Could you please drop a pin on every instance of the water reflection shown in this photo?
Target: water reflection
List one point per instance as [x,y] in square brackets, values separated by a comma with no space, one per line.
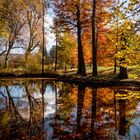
[93,114]
[46,110]
[122,114]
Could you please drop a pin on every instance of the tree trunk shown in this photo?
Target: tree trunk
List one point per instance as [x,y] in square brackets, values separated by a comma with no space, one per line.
[115,65]
[10,45]
[6,62]
[26,60]
[81,64]
[6,57]
[43,35]
[56,52]
[115,59]
[94,44]
[123,70]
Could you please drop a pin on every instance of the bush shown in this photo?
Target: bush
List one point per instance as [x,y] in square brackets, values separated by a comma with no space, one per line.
[33,64]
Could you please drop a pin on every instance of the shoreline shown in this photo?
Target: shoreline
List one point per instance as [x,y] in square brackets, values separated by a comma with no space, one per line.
[98,81]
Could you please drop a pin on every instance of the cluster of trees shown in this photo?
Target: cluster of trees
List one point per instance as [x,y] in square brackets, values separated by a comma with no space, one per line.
[102,32]
[21,26]
[103,29]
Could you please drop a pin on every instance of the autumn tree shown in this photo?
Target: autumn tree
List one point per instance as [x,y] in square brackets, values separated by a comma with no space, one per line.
[125,32]
[101,19]
[33,16]
[3,29]
[74,15]
[128,48]
[65,45]
[12,12]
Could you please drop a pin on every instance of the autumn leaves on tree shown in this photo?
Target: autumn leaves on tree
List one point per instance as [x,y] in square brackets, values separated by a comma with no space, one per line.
[73,16]
[80,16]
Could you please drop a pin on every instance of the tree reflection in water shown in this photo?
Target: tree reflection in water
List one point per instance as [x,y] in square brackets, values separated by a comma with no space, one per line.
[93,114]
[24,121]
[14,130]
[122,114]
[80,101]
[49,110]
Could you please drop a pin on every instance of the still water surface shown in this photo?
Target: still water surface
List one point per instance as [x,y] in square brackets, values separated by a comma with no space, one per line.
[49,110]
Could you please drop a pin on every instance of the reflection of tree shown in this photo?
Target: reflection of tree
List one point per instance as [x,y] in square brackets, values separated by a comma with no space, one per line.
[43,105]
[14,128]
[12,107]
[65,100]
[115,113]
[63,122]
[93,115]
[36,118]
[122,114]
[80,101]
[55,99]
[74,117]
[56,121]
[15,123]
[5,100]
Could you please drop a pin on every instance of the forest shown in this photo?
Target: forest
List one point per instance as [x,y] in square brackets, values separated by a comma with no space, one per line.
[90,37]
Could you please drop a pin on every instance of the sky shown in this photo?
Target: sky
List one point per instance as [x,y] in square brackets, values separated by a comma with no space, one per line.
[50,37]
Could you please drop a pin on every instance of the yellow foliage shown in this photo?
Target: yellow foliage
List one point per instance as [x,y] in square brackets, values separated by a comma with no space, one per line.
[133,76]
[129,96]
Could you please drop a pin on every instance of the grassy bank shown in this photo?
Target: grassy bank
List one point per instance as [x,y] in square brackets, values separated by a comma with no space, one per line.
[105,77]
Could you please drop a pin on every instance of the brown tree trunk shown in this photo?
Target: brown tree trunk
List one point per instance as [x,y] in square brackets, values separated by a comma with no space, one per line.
[94,44]
[43,35]
[81,63]
[115,65]
[26,60]
[7,54]
[6,62]
[56,53]
[123,70]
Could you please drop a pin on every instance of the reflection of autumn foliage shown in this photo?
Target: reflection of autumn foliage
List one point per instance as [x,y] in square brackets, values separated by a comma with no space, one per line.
[67,99]
[22,122]
[105,95]
[87,98]
[80,112]
[96,115]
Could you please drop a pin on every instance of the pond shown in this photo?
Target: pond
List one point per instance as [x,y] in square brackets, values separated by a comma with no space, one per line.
[48,110]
